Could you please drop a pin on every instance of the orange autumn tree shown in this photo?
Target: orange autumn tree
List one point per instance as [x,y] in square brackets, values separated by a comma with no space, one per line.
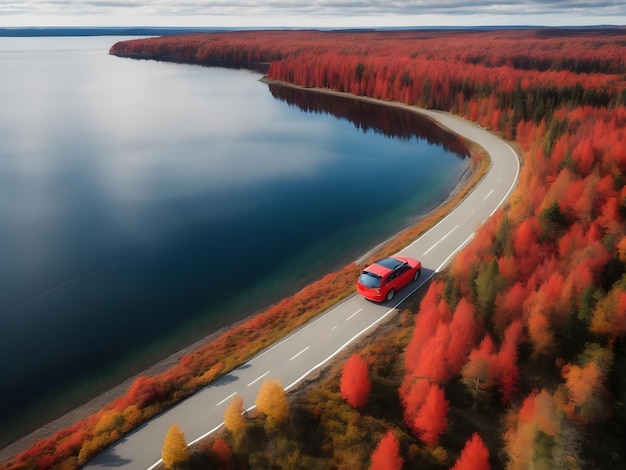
[481,370]
[355,382]
[608,318]
[586,383]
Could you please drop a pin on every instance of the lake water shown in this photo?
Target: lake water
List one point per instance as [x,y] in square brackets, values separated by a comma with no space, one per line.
[145,204]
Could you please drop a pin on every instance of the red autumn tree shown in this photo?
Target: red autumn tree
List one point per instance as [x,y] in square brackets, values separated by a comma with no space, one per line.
[508,372]
[432,419]
[432,363]
[462,335]
[526,237]
[584,155]
[425,324]
[474,456]
[387,456]
[413,396]
[223,453]
[507,267]
[509,306]
[425,327]
[355,382]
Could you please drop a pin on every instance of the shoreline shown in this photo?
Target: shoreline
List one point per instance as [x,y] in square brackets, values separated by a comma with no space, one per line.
[71,417]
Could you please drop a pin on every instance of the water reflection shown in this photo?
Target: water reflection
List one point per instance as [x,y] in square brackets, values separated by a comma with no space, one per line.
[389,121]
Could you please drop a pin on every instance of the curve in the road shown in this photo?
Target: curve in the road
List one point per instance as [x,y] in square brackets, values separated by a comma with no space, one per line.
[318,342]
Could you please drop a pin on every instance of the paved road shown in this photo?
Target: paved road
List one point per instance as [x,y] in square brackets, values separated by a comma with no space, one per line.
[318,342]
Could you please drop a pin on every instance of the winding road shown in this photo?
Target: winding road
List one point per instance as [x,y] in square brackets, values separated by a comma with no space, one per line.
[314,345]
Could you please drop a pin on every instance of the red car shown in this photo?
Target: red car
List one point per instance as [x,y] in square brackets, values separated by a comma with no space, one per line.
[382,279]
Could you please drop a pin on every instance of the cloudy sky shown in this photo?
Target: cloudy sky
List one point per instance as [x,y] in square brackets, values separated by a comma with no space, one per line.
[313,13]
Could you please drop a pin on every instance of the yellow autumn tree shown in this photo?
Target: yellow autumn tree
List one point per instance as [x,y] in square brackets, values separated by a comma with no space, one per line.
[110,421]
[175,452]
[233,415]
[272,401]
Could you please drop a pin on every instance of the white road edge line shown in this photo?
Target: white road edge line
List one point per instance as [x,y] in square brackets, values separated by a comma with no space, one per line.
[226,399]
[517,170]
[451,255]
[160,461]
[293,357]
[257,379]
[208,433]
[441,239]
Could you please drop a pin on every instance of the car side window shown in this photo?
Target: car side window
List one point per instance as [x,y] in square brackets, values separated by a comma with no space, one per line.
[392,276]
[402,269]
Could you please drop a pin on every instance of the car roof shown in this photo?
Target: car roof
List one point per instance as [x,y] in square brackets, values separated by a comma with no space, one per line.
[384,266]
[390,263]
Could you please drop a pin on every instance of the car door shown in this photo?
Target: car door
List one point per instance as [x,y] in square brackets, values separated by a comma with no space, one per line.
[391,282]
[403,276]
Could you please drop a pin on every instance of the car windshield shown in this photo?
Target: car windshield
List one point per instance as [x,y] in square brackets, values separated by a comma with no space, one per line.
[369,279]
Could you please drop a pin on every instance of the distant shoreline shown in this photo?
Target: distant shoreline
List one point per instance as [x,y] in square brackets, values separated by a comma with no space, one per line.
[74,31]
[45,31]
[119,390]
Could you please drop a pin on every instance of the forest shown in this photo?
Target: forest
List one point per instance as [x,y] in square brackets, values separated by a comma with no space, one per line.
[514,356]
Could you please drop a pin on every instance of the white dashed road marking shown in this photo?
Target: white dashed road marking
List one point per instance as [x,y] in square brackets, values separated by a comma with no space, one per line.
[441,239]
[226,399]
[353,314]
[257,379]
[293,357]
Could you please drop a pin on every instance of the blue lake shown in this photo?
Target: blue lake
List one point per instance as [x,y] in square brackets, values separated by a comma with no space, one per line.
[145,204]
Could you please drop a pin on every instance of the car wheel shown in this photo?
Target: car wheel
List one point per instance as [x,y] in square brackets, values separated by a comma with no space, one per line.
[417,274]
[390,294]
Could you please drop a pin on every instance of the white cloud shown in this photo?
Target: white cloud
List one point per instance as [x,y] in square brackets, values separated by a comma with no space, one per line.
[308,12]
